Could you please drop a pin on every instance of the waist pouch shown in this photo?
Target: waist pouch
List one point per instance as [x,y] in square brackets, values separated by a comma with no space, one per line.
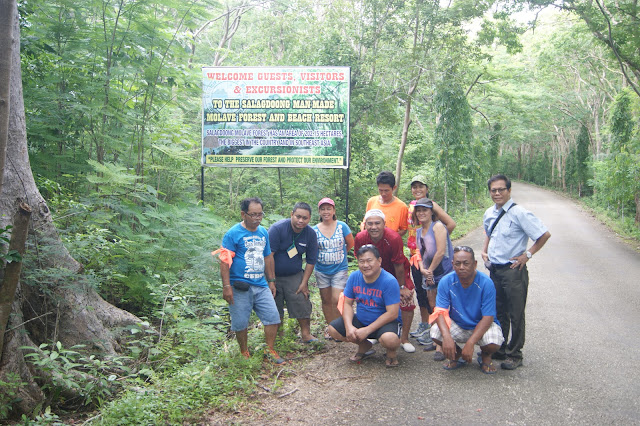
[241,285]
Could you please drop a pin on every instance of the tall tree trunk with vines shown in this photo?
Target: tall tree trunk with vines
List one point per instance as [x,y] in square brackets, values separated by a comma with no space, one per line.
[80,315]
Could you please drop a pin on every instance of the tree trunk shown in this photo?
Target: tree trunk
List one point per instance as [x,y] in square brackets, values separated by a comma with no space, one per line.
[12,270]
[81,316]
[6,42]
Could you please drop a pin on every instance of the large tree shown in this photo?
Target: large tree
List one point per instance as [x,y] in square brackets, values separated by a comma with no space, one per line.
[69,310]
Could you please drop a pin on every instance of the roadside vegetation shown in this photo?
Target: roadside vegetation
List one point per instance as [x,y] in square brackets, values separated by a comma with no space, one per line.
[112,104]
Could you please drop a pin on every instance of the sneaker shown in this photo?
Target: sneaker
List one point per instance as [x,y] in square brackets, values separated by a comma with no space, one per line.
[429,348]
[408,347]
[423,327]
[511,363]
[425,340]
[273,356]
[373,341]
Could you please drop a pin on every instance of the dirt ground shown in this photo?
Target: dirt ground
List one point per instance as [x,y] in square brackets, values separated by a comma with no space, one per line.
[313,390]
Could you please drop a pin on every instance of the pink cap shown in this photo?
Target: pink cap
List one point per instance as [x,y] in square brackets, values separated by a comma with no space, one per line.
[326,200]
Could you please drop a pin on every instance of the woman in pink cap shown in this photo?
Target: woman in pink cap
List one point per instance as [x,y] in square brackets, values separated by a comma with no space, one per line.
[334,241]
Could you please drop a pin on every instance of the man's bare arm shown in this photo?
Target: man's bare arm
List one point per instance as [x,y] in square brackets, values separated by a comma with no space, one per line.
[227,291]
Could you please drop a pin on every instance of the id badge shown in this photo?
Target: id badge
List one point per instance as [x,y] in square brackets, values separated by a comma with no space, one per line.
[292,251]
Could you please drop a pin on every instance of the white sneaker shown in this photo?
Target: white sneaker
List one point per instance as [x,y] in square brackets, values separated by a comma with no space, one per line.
[408,347]
[373,341]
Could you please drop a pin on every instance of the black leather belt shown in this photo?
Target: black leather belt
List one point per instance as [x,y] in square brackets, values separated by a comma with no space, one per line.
[501,266]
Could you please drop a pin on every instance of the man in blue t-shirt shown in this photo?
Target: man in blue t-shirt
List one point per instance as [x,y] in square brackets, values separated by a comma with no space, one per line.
[377,297]
[244,284]
[290,239]
[465,313]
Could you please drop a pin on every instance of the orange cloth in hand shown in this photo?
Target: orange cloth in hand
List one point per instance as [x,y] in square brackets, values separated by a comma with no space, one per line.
[341,302]
[436,313]
[416,260]
[226,255]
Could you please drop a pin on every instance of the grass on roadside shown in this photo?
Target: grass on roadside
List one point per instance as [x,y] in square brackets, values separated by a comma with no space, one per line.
[221,379]
[624,227]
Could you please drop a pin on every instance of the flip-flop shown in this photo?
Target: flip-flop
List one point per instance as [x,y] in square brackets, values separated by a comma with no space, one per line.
[488,366]
[362,355]
[482,365]
[458,364]
[389,362]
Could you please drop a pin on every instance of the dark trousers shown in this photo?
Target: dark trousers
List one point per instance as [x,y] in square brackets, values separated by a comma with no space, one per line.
[511,299]
[421,293]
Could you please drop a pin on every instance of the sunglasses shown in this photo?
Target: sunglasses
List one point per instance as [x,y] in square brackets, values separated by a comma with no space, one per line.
[463,248]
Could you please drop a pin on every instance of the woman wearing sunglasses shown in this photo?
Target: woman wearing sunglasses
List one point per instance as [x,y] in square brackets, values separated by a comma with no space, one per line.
[434,247]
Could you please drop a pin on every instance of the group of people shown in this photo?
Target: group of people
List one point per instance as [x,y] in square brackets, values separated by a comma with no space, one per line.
[459,306]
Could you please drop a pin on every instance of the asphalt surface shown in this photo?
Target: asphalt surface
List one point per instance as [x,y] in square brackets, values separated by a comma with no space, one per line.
[581,357]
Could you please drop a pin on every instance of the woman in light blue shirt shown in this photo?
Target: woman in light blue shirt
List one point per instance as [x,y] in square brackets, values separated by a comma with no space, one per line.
[334,241]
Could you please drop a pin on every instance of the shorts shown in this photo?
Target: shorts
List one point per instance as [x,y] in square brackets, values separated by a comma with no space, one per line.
[460,335]
[337,280]
[391,327]
[421,293]
[298,305]
[258,299]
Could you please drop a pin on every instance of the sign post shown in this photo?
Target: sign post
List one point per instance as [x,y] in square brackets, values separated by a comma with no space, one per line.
[275,117]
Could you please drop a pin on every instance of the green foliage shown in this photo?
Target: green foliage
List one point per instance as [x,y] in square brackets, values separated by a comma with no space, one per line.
[112,100]
[616,179]
[68,371]
[581,173]
[9,386]
[8,255]
[503,30]
[47,417]
[453,138]
[216,378]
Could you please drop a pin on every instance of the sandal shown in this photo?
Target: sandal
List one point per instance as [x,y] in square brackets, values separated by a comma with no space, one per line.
[391,362]
[362,355]
[486,368]
[457,364]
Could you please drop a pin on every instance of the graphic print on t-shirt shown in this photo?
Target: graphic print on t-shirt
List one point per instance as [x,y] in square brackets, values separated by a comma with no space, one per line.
[254,257]
[331,249]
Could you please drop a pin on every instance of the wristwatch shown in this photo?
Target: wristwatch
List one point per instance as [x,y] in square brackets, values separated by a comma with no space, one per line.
[528,253]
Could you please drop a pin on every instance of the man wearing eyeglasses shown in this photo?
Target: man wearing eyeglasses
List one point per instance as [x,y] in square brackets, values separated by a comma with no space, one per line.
[247,273]
[290,239]
[390,246]
[508,228]
[465,313]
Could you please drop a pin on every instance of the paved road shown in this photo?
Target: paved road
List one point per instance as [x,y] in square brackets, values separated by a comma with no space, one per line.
[582,356]
[581,359]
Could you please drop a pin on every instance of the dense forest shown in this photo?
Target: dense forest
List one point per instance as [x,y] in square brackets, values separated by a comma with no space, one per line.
[544,92]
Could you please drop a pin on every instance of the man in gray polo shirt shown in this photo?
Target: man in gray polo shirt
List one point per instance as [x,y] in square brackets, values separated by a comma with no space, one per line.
[508,227]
